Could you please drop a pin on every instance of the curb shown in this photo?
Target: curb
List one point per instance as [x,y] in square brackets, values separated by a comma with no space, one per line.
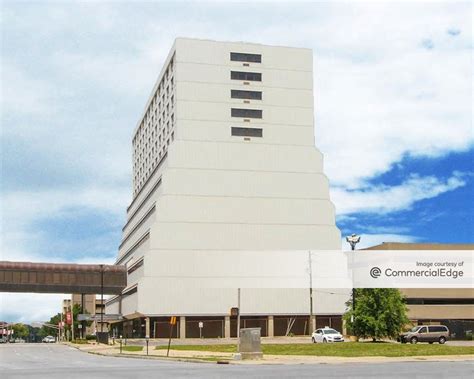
[155,357]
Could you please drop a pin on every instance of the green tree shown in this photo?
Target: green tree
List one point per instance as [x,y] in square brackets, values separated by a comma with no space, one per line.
[48,331]
[76,310]
[20,331]
[379,313]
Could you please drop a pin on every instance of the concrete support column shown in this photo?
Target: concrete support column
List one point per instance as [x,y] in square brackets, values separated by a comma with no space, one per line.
[227,327]
[182,327]
[312,324]
[270,327]
[147,326]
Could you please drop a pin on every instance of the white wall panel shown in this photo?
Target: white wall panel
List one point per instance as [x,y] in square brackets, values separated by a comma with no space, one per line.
[219,236]
[245,156]
[245,210]
[245,183]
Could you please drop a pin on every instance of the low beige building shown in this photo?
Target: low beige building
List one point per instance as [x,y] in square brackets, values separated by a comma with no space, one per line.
[451,307]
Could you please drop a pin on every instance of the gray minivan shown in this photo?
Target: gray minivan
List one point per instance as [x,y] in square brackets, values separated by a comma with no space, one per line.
[426,333]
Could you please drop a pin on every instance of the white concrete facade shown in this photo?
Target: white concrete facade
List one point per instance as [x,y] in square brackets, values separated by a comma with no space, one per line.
[198,187]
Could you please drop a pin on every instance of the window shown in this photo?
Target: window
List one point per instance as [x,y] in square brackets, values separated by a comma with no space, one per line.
[245,57]
[464,301]
[237,94]
[135,267]
[248,113]
[437,329]
[247,132]
[250,76]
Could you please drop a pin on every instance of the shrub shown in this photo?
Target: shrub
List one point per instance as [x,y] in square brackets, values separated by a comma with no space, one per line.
[79,342]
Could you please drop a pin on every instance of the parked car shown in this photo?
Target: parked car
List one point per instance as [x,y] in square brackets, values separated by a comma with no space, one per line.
[426,333]
[326,335]
[49,339]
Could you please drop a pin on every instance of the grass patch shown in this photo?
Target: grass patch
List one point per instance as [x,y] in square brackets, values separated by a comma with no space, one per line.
[131,348]
[80,342]
[347,349]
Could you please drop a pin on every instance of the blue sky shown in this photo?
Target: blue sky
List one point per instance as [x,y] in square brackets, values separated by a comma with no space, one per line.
[393,115]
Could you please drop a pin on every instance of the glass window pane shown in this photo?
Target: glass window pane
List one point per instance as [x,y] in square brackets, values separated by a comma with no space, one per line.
[253,95]
[247,132]
[246,57]
[247,113]
[249,76]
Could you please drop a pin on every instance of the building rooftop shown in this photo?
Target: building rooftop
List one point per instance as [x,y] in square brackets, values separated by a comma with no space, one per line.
[421,246]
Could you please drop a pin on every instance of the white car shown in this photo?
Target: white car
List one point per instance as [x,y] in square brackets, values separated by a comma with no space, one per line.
[326,335]
[49,339]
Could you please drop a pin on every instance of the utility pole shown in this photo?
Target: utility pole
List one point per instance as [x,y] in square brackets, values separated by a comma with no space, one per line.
[61,326]
[311,312]
[83,324]
[102,298]
[310,294]
[238,320]
[72,320]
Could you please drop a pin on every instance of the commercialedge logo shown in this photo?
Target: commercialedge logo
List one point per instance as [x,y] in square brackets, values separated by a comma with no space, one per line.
[375,272]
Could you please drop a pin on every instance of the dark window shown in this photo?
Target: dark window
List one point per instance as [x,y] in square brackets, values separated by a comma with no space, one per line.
[437,329]
[247,132]
[247,113]
[464,301]
[423,330]
[237,94]
[135,267]
[130,292]
[250,76]
[244,57]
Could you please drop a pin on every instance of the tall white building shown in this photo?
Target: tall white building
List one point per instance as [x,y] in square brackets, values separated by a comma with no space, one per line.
[224,161]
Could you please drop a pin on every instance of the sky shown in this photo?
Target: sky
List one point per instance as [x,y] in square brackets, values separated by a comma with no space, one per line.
[393,116]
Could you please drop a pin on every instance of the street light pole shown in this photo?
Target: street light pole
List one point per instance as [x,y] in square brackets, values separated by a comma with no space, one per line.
[353,240]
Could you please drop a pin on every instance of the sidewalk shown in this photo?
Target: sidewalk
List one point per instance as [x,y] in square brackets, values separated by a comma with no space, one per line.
[213,341]
[226,341]
[267,359]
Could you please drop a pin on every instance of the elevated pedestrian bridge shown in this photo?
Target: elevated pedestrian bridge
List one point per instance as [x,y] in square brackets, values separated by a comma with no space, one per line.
[62,278]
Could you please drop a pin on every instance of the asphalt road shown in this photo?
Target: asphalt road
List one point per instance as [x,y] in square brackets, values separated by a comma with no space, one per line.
[57,361]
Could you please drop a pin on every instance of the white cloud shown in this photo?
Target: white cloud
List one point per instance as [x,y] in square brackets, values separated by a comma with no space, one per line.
[383,199]
[22,208]
[23,211]
[30,307]
[22,94]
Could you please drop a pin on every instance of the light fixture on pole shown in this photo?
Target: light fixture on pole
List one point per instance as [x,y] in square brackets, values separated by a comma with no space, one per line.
[353,240]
